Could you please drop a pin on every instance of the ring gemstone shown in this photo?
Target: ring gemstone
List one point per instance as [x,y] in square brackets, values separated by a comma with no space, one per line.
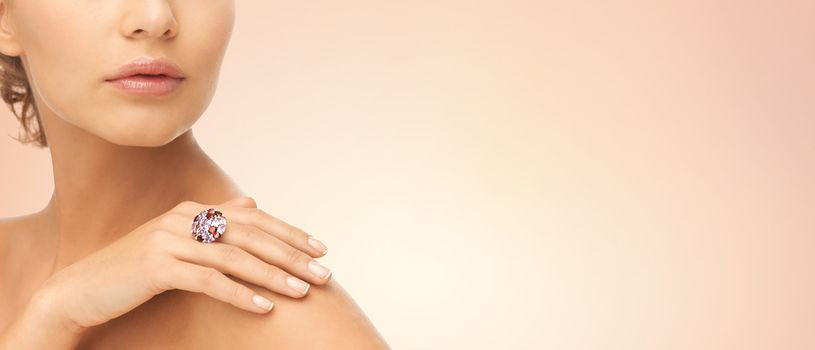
[208,226]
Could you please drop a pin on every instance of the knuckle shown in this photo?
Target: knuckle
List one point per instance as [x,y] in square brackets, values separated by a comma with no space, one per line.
[295,233]
[293,256]
[257,215]
[169,219]
[228,252]
[208,277]
[271,273]
[240,235]
[236,291]
[249,201]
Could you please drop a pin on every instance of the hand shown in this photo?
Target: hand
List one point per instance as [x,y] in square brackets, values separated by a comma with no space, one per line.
[161,255]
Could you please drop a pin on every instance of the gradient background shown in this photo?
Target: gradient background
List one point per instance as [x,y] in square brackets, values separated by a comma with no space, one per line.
[529,174]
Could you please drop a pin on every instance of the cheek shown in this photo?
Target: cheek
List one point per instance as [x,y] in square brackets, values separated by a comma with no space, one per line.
[58,38]
[207,34]
[72,45]
[60,44]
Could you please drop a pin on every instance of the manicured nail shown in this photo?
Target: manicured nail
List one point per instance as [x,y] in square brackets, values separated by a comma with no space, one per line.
[318,270]
[316,244]
[297,284]
[262,302]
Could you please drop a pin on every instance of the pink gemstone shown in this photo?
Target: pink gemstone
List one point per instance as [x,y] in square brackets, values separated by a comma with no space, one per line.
[208,225]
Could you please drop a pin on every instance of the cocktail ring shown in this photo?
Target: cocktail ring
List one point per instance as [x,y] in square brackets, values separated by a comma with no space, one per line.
[208,226]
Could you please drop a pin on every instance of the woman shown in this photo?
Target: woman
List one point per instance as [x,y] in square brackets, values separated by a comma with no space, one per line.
[112,88]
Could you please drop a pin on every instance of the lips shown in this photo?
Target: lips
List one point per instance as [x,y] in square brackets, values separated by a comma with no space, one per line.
[146,85]
[146,67]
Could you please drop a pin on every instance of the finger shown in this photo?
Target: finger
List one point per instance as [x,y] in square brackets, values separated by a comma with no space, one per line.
[207,280]
[245,201]
[290,234]
[276,252]
[262,245]
[237,262]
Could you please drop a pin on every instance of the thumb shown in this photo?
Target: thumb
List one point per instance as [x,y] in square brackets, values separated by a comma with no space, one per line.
[245,201]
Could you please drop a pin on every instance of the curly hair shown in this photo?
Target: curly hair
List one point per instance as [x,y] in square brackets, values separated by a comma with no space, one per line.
[15,89]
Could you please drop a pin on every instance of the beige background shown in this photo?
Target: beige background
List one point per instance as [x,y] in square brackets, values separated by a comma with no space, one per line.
[530,174]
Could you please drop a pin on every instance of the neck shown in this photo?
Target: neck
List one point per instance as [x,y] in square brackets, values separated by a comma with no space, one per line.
[103,190]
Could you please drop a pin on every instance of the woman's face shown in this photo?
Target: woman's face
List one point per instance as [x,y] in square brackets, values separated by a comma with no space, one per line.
[69,48]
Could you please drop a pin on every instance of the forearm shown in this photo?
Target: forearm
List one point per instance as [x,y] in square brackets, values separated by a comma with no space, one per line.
[39,327]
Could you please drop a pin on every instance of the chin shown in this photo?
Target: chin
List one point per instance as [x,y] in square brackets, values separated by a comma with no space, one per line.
[153,137]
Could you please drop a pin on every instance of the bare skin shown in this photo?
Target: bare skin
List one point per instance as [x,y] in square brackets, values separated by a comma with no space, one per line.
[175,319]
[40,246]
[119,161]
[327,318]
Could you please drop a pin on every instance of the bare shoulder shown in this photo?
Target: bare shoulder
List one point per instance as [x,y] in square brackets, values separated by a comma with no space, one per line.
[326,318]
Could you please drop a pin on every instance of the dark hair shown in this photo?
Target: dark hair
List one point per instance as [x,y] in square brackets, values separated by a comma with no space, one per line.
[15,89]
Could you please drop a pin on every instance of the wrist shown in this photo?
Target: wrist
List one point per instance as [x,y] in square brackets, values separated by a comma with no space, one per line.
[46,309]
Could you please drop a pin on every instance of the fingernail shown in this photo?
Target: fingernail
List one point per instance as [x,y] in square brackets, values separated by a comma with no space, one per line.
[316,244]
[297,284]
[262,302]
[318,269]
